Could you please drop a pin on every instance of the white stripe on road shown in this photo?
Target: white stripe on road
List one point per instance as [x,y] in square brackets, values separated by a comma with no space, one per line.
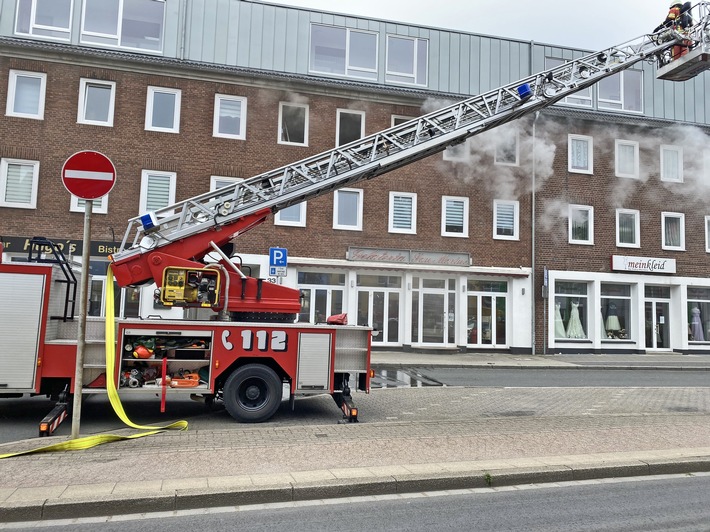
[85,174]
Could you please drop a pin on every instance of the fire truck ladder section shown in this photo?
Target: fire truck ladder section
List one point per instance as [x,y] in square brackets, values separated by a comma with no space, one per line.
[239,206]
[40,246]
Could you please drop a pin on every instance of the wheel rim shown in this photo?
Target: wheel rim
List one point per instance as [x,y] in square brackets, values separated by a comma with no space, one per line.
[253,394]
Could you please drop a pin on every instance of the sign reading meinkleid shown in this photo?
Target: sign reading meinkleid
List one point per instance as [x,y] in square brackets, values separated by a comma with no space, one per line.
[642,264]
[88,175]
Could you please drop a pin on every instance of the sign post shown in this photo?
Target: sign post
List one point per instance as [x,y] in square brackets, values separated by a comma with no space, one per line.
[88,175]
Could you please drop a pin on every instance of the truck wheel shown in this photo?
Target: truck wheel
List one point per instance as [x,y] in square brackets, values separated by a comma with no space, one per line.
[252,394]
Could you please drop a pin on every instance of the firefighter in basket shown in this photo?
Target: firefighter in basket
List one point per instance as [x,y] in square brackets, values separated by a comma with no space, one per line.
[678,20]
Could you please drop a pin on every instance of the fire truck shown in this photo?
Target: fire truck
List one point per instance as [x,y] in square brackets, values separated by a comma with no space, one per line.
[239,341]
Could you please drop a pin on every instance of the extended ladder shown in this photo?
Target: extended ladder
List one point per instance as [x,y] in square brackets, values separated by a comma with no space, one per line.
[387,150]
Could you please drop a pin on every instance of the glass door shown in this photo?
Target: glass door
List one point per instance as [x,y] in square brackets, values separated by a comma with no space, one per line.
[434,311]
[380,310]
[657,324]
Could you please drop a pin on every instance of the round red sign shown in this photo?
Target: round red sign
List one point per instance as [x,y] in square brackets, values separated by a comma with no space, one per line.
[88,175]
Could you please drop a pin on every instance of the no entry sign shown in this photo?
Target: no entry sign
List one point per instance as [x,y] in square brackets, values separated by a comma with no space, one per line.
[88,175]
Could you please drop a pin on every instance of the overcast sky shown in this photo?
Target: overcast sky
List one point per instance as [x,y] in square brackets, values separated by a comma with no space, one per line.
[589,25]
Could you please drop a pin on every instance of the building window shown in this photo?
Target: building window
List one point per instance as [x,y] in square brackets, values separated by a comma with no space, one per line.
[25,94]
[458,153]
[581,98]
[571,309]
[403,213]
[294,216]
[673,231]
[505,220]
[627,159]
[400,119]
[163,110]
[96,102]
[507,150]
[581,224]
[44,18]
[343,52]
[347,209]
[698,314]
[706,167]
[18,183]
[454,216]
[293,123]
[579,154]
[628,233]
[707,234]
[136,24]
[672,164]
[157,191]
[616,311]
[79,205]
[218,181]
[230,117]
[350,126]
[622,91]
[407,60]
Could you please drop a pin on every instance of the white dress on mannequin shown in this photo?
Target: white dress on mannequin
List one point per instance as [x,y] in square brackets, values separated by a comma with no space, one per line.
[559,324]
[574,327]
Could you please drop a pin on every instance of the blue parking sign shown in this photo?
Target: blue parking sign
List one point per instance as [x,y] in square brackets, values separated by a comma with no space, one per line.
[278,257]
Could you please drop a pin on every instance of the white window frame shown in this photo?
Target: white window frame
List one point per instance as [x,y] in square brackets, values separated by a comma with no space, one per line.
[216,179]
[459,153]
[590,218]
[637,228]
[339,113]
[301,222]
[681,217]
[415,77]
[42,30]
[620,105]
[635,146]
[145,176]
[390,226]
[114,39]
[84,84]
[516,220]
[151,92]
[100,205]
[4,163]
[590,154]
[679,170]
[336,199]
[707,234]
[516,139]
[401,118]
[11,93]
[218,99]
[465,201]
[348,70]
[582,98]
[305,124]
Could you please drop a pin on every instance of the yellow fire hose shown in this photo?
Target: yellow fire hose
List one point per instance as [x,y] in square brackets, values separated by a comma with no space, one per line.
[87,442]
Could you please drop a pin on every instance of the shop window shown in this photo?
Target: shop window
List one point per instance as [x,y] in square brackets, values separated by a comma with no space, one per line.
[616,311]
[134,24]
[579,154]
[581,224]
[698,314]
[505,220]
[293,124]
[673,231]
[672,164]
[407,59]
[350,126]
[162,111]
[19,180]
[627,159]
[347,209]
[230,117]
[622,91]
[96,102]
[321,295]
[571,310]
[403,213]
[44,18]
[25,94]
[157,191]
[628,232]
[343,52]
[454,216]
[581,98]
[294,216]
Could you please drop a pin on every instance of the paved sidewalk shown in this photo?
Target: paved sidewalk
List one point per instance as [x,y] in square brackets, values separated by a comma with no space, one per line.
[248,464]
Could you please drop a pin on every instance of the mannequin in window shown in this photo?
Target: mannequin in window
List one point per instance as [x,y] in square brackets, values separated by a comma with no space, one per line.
[574,327]
[559,324]
[696,325]
[612,319]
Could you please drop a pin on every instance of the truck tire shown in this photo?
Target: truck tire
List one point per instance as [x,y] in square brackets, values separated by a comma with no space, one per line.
[252,393]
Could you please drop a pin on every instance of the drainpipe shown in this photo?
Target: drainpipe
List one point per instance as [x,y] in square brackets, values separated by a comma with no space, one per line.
[532,239]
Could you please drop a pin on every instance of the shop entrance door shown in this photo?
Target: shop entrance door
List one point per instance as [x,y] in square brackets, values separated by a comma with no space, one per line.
[657,318]
[435,319]
[379,309]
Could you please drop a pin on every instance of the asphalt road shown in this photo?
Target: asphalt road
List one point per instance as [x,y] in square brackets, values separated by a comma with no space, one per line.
[641,504]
